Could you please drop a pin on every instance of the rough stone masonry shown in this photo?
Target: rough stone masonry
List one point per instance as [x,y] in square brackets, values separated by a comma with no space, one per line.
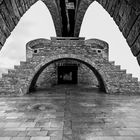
[42,53]
[68,15]
[86,57]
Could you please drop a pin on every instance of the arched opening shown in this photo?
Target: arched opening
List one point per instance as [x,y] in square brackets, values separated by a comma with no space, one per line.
[67,66]
[102,26]
[32,25]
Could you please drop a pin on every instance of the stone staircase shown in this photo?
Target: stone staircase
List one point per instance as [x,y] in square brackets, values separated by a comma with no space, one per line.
[127,82]
[9,80]
[9,83]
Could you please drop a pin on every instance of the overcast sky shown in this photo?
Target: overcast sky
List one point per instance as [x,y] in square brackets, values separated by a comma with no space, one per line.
[37,23]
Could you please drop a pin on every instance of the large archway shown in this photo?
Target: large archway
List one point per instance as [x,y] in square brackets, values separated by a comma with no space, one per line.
[105,28]
[125,14]
[32,25]
[102,87]
[12,11]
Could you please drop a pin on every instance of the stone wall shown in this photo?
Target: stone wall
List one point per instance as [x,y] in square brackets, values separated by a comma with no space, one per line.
[86,76]
[126,14]
[48,77]
[43,52]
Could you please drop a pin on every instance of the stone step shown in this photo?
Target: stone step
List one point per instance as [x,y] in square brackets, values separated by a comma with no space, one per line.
[11,71]
[23,63]
[123,70]
[135,79]
[112,62]
[4,75]
[1,79]
[134,89]
[126,80]
[118,67]
[130,91]
[131,80]
[6,80]
[130,85]
[128,75]
[110,67]
[17,67]
[116,73]
[1,82]
[7,91]
[9,75]
[23,72]
[7,84]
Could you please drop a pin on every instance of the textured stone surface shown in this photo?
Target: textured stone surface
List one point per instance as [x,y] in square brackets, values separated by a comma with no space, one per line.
[48,77]
[136,47]
[92,53]
[73,113]
[124,12]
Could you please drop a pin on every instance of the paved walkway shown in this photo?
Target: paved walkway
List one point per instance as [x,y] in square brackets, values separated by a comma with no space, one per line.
[70,114]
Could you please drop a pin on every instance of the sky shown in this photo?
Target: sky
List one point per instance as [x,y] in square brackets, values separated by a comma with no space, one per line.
[37,23]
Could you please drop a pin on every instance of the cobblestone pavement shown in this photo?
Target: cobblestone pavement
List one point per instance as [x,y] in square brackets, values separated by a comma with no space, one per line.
[70,114]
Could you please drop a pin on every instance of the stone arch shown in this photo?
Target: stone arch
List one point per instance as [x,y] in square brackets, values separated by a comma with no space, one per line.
[126,15]
[101,76]
[11,12]
[54,10]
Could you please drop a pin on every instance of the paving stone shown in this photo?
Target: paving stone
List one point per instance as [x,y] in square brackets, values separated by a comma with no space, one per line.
[22,133]
[12,124]
[57,124]
[68,137]
[5,138]
[20,138]
[112,119]
[127,133]
[55,133]
[9,133]
[34,133]
[28,124]
[14,129]
[40,138]
[32,128]
[56,138]
[124,138]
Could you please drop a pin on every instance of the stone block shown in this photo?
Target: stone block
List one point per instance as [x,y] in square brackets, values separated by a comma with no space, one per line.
[2,38]
[135,31]
[4,27]
[130,22]
[8,20]
[136,47]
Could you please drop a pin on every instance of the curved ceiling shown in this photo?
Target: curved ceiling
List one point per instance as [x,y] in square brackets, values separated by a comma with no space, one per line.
[68,15]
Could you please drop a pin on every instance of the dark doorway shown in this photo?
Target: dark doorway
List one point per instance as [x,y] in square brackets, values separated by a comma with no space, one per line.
[67,74]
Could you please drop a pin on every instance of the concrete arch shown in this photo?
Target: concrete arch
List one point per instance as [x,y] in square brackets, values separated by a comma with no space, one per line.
[101,76]
[11,12]
[126,15]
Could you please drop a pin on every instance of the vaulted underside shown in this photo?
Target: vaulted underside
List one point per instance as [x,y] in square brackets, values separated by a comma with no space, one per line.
[126,14]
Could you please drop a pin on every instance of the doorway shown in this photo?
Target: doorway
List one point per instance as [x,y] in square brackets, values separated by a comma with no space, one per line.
[67,74]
